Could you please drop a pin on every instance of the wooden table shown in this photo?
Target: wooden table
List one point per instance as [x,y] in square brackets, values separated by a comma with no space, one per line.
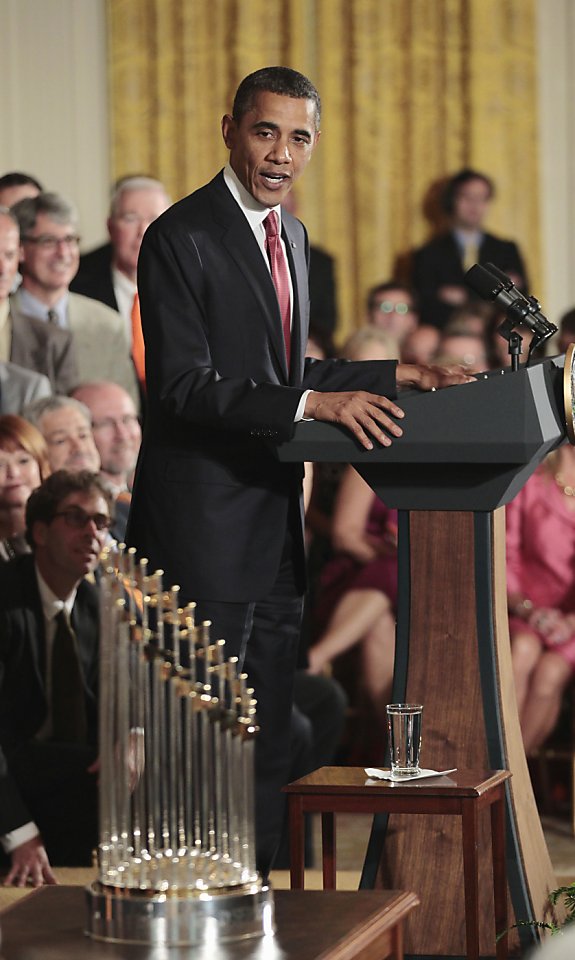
[332,790]
[311,924]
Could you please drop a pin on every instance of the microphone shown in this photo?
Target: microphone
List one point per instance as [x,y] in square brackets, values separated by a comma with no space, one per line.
[492,284]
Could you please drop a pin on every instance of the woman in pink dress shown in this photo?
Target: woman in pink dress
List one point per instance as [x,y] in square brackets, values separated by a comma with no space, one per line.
[541,593]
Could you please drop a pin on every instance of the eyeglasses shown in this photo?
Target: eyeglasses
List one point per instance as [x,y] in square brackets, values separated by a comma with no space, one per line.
[77,518]
[48,242]
[388,306]
[112,423]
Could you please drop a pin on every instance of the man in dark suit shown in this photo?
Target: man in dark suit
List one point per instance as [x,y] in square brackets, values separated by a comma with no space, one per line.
[439,266]
[211,505]
[49,627]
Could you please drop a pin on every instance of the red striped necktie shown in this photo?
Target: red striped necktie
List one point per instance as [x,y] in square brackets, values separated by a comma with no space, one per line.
[280,276]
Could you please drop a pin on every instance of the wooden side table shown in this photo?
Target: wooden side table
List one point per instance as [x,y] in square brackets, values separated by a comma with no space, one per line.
[464,793]
[311,925]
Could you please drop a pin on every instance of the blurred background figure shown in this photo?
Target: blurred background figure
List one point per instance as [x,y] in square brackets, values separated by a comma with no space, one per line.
[23,466]
[439,267]
[420,346]
[541,592]
[468,349]
[392,308]
[17,186]
[566,331]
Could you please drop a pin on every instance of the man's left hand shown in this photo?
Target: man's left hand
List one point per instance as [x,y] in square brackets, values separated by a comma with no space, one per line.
[430,378]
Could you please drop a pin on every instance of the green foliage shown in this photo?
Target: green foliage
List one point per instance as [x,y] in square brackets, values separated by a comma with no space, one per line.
[568,893]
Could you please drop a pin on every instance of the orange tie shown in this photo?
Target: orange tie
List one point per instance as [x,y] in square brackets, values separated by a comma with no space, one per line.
[138,348]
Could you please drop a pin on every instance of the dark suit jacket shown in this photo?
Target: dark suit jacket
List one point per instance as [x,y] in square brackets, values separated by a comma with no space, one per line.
[44,348]
[23,670]
[210,502]
[322,293]
[438,264]
[94,277]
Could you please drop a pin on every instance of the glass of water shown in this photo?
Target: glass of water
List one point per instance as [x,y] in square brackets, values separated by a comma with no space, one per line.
[404,725]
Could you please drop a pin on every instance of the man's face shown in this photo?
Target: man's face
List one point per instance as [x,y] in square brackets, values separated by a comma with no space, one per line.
[70,544]
[393,311]
[51,255]
[471,204]
[70,442]
[115,426]
[9,254]
[135,211]
[271,145]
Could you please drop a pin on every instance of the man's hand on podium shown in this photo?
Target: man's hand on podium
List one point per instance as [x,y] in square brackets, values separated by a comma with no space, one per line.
[424,377]
[365,414]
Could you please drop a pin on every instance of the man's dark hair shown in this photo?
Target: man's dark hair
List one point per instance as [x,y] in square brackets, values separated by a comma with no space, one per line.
[16,179]
[43,502]
[380,288]
[455,183]
[281,80]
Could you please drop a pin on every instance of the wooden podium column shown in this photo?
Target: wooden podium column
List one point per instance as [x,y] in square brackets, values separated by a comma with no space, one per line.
[453,655]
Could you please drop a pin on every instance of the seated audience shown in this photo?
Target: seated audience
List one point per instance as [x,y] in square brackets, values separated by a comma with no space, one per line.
[49,626]
[66,425]
[467,349]
[358,589]
[117,434]
[475,318]
[16,186]
[439,267]
[370,343]
[23,466]
[392,308]
[541,591]
[420,346]
[108,274]
[50,257]
[26,341]
[20,387]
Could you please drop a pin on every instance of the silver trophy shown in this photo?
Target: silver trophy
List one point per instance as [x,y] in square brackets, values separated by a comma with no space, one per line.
[177,731]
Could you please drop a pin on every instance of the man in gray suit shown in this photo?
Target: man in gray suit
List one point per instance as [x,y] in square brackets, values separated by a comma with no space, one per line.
[26,341]
[19,387]
[50,257]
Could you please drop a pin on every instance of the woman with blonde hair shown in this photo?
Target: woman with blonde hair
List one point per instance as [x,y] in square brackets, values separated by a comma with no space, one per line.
[23,467]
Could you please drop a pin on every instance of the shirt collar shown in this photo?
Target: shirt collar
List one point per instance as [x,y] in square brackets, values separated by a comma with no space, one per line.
[51,604]
[4,313]
[465,237]
[32,307]
[254,211]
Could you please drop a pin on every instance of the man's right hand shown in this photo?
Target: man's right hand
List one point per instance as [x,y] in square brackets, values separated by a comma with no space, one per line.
[363,414]
[30,864]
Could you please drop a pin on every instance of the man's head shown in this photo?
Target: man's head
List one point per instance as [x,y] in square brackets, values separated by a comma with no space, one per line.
[272,131]
[115,427]
[566,331]
[67,520]
[16,186]
[136,202]
[66,426]
[50,245]
[9,251]
[392,308]
[467,349]
[467,197]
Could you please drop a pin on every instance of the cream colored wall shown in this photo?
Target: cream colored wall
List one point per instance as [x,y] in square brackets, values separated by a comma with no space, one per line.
[556,35]
[53,101]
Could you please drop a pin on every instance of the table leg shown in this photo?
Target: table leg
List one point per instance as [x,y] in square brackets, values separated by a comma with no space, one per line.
[471,876]
[296,842]
[499,872]
[397,942]
[328,850]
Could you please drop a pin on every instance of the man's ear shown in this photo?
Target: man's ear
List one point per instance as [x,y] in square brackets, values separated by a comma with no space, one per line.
[40,533]
[229,128]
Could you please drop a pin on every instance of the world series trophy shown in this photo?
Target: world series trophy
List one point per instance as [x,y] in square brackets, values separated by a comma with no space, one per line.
[177,727]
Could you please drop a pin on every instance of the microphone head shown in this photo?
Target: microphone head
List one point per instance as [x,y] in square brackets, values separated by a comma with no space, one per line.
[505,280]
[483,282]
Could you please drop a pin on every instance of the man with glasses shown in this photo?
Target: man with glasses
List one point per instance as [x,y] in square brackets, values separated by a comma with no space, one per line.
[50,257]
[392,308]
[118,435]
[30,343]
[49,628]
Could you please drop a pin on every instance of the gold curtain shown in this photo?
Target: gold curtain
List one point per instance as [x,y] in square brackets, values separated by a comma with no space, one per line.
[412,90]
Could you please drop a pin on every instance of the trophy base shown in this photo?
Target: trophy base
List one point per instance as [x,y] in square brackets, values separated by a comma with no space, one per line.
[177,919]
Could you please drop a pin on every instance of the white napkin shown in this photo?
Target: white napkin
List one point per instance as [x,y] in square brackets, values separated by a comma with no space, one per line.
[375,774]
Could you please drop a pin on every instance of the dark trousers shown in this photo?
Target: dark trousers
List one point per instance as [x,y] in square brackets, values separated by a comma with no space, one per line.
[61,797]
[265,636]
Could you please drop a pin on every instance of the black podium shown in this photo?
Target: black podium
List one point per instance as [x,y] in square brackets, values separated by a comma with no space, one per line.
[465,452]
